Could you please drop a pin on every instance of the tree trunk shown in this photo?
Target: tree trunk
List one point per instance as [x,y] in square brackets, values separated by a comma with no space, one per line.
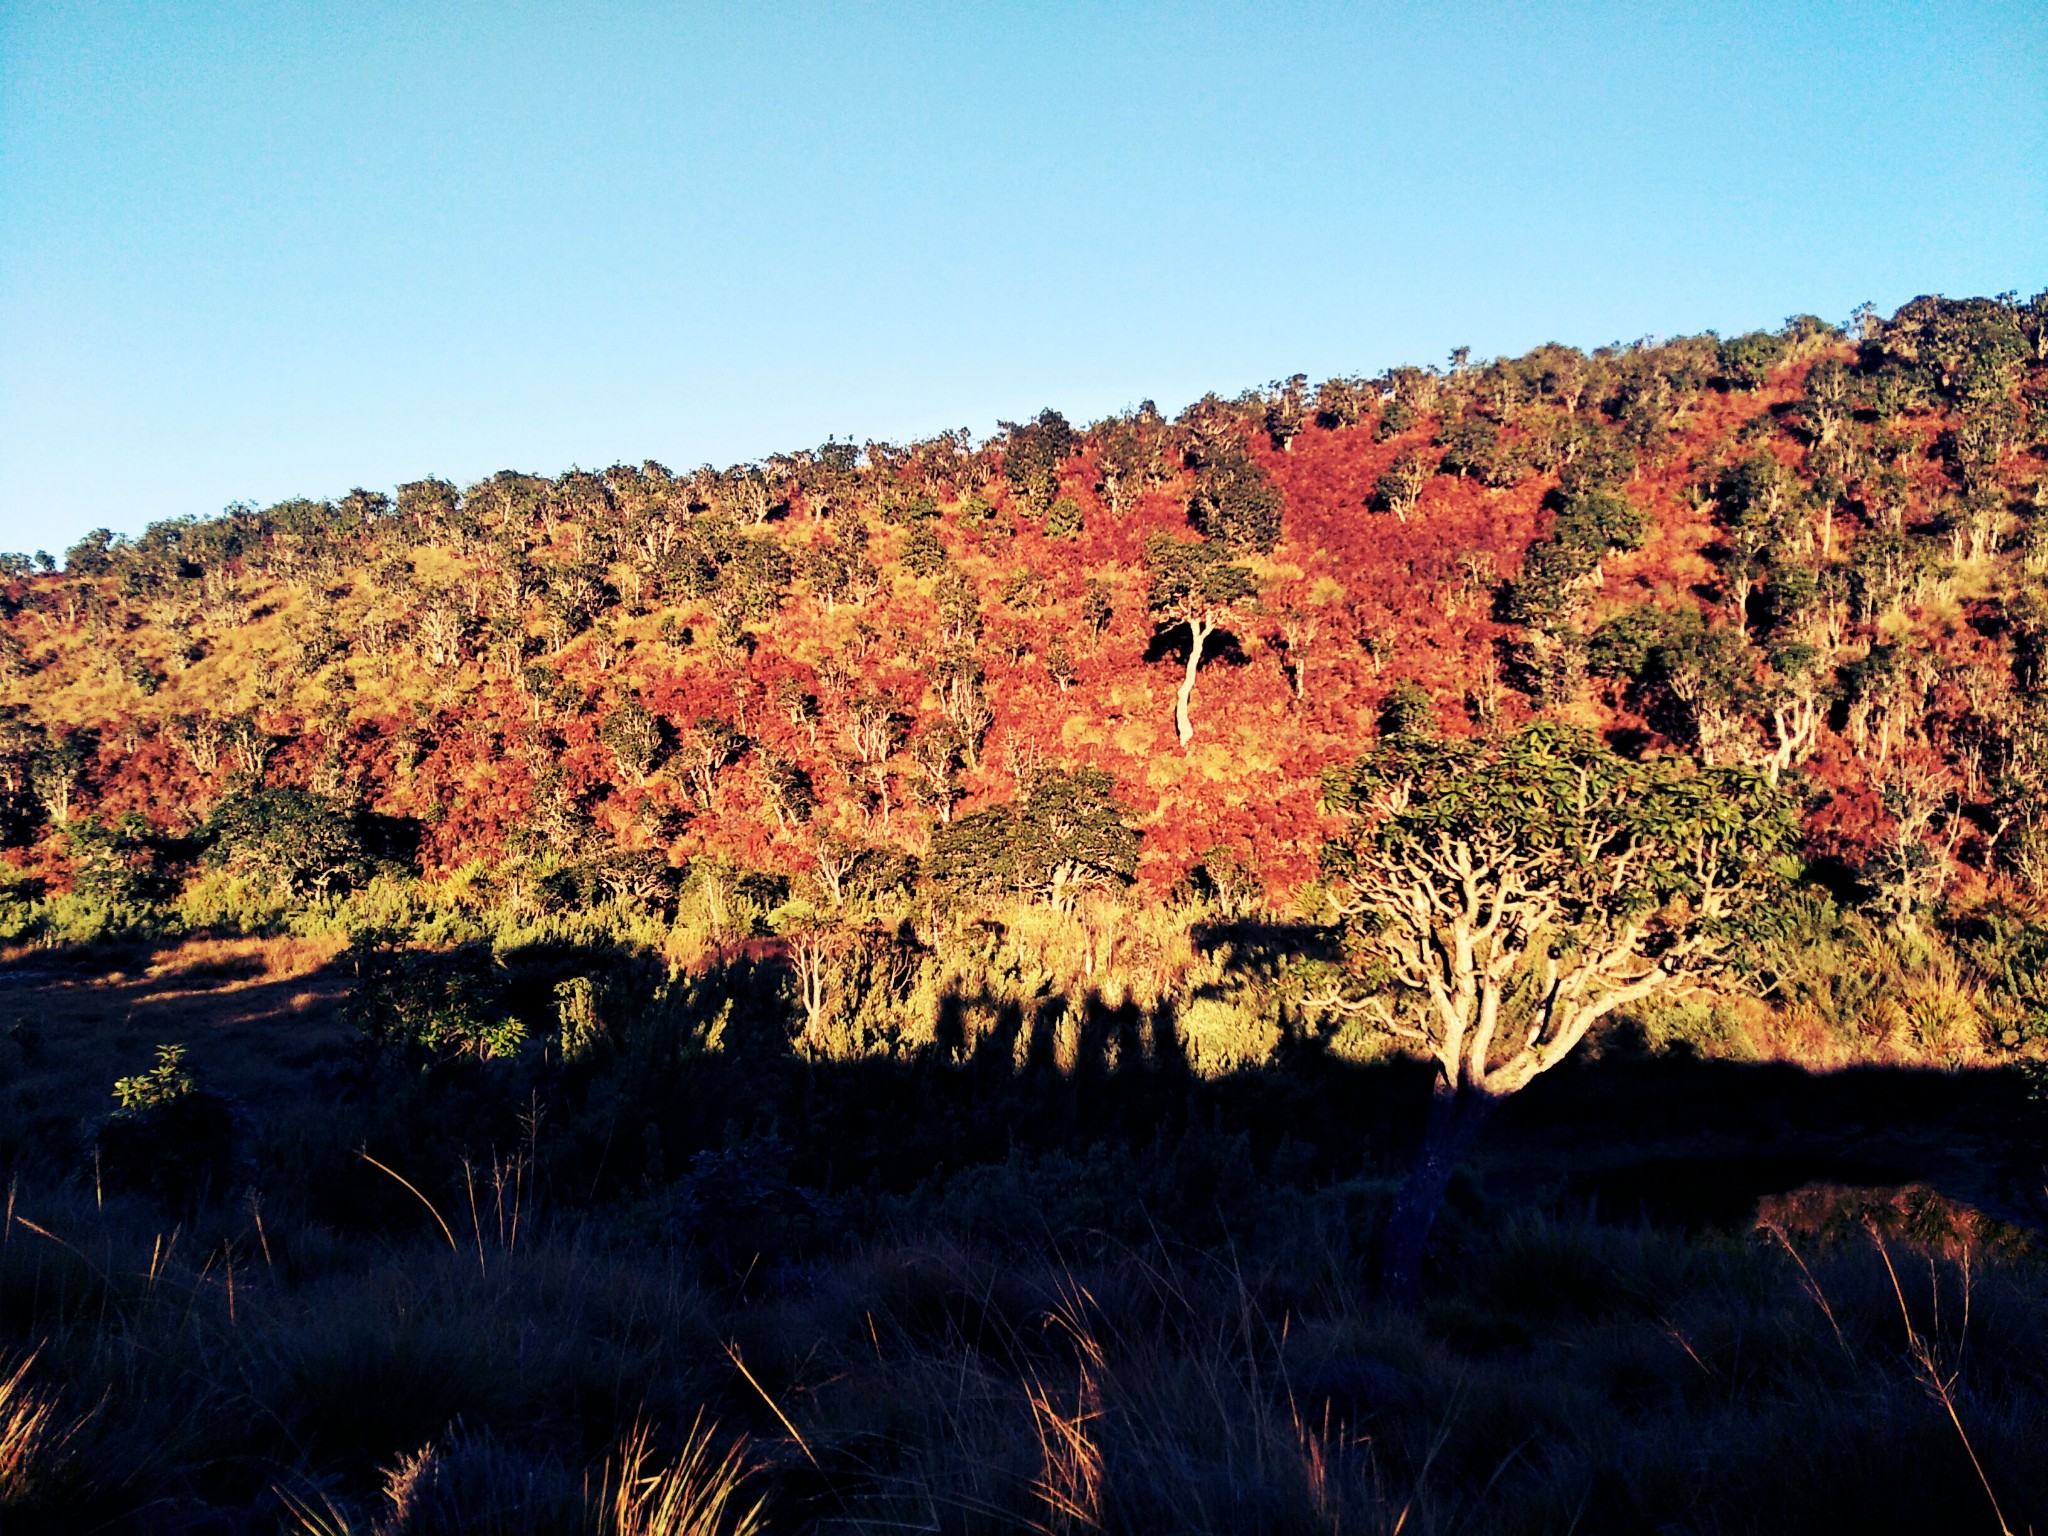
[1198,636]
[1456,1116]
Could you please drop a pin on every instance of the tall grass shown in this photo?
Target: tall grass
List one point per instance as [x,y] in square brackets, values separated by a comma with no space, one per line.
[468,1484]
[34,1438]
[1625,1377]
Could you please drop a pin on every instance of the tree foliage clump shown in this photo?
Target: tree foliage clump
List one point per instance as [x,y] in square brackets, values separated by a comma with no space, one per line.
[1065,833]
[1477,449]
[1558,570]
[1287,411]
[1234,501]
[117,872]
[1033,452]
[1399,486]
[1746,361]
[637,737]
[292,839]
[1957,349]
[1130,456]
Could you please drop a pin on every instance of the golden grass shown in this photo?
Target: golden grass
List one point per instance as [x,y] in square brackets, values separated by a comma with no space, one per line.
[239,962]
[703,1491]
[700,1493]
[33,1441]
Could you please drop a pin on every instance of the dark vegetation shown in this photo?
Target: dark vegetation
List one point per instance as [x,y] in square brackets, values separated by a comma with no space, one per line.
[1457,951]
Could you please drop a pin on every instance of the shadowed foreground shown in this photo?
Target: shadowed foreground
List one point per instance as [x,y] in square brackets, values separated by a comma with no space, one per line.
[1009,1284]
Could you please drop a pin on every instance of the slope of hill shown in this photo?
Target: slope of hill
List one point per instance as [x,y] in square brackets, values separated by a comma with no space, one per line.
[697,699]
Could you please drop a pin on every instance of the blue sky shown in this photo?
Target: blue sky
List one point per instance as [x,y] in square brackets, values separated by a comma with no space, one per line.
[263,250]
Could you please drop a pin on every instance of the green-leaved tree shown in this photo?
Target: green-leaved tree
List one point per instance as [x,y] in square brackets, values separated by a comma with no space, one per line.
[1503,896]
[1065,833]
[1195,585]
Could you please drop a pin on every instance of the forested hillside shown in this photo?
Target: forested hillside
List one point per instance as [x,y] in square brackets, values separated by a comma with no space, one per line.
[881,688]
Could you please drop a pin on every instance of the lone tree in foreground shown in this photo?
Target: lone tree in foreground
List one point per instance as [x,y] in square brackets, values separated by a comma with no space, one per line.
[1503,896]
[1195,585]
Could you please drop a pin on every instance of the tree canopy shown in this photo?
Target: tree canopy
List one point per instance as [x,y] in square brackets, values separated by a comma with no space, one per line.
[1504,895]
[1063,834]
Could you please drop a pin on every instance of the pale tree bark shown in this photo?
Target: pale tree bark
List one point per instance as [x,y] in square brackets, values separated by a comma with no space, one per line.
[810,964]
[1795,723]
[1199,631]
[835,861]
[1469,923]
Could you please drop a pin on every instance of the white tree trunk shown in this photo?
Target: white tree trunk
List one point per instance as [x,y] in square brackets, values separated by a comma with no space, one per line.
[1199,631]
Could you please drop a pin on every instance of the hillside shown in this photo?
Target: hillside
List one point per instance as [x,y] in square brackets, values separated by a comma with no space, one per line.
[1813,553]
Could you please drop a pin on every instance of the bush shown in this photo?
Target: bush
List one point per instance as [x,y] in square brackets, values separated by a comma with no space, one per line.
[1475,449]
[1746,361]
[169,1138]
[923,554]
[1065,520]
[1066,832]
[432,1006]
[1033,452]
[21,898]
[1599,521]
[222,901]
[115,868]
[1603,461]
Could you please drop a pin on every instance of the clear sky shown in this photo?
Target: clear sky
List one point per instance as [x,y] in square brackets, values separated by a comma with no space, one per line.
[251,251]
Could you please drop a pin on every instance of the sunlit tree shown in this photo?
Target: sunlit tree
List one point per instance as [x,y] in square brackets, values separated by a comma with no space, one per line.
[1503,896]
[1195,585]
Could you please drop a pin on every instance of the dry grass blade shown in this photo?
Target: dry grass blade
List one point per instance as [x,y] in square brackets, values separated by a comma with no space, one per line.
[325,1520]
[446,1231]
[1070,1484]
[1939,1385]
[732,1351]
[32,1442]
[698,1494]
[1811,1285]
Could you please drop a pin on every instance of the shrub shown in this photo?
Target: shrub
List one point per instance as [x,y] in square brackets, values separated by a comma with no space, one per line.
[432,1006]
[1066,832]
[923,553]
[1746,361]
[1064,520]
[116,884]
[1598,521]
[225,901]
[1475,449]
[169,1138]
[636,737]
[1602,460]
